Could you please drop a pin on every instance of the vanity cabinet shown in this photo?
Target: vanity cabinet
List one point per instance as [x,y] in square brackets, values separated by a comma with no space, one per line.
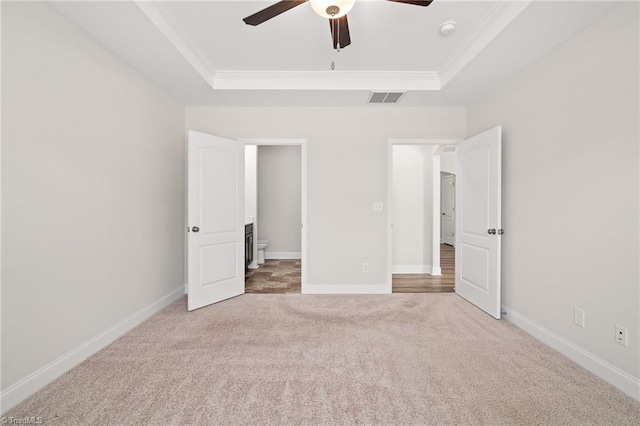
[248,245]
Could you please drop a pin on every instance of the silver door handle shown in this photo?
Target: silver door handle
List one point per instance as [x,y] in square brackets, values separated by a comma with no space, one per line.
[500,231]
[491,231]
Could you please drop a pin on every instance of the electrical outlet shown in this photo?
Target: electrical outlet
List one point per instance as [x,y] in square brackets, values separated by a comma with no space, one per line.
[621,335]
[365,267]
[578,316]
[378,206]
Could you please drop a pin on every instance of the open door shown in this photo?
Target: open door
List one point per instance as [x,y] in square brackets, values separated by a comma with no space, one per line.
[478,220]
[448,197]
[215,201]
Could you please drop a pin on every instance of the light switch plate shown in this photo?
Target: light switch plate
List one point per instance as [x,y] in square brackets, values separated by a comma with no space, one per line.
[377,206]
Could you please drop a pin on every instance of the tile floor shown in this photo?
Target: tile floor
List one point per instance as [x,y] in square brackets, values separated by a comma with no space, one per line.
[274,276]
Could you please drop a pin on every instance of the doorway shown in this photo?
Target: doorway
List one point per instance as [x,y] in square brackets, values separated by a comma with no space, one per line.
[420,261]
[448,202]
[478,233]
[275,206]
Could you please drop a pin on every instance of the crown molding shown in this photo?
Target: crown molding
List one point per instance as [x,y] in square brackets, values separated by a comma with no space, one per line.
[160,15]
[493,23]
[326,80]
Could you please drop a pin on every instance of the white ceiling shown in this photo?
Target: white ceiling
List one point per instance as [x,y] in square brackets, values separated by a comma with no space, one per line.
[203,54]
[385,36]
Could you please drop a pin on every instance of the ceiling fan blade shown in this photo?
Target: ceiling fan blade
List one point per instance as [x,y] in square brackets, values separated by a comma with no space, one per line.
[272,11]
[424,3]
[340,32]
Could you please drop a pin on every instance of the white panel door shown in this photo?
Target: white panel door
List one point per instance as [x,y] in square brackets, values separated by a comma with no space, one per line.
[215,200]
[478,220]
[448,191]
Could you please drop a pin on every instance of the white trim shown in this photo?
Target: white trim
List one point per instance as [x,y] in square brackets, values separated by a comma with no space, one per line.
[436,241]
[436,271]
[282,255]
[253,265]
[444,148]
[347,289]
[35,381]
[424,141]
[327,80]
[272,141]
[494,22]
[601,368]
[411,269]
[1,222]
[160,15]
[435,210]
[304,200]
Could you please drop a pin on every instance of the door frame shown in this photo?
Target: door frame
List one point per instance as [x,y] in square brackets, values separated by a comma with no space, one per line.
[435,249]
[303,175]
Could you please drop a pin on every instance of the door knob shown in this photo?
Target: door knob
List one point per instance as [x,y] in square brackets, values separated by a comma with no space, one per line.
[195,229]
[500,231]
[491,231]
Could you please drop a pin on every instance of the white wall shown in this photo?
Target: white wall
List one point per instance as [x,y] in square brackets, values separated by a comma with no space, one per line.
[347,172]
[93,190]
[448,162]
[280,199]
[251,192]
[251,180]
[570,187]
[412,208]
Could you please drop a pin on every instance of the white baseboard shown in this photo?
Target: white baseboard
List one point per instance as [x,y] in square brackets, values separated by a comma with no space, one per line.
[411,269]
[253,265]
[346,289]
[282,255]
[436,271]
[601,368]
[35,381]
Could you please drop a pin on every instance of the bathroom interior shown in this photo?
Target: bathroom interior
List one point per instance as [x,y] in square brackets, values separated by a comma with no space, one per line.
[273,219]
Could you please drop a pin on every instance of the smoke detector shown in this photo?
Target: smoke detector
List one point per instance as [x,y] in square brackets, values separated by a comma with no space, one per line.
[447,28]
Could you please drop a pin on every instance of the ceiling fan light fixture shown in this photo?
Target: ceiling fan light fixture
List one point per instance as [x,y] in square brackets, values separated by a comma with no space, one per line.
[332,9]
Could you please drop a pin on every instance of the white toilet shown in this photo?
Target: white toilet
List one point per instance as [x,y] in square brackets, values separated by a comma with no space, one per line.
[262,245]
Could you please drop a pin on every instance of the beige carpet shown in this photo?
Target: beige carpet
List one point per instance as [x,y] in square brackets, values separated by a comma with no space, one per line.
[324,360]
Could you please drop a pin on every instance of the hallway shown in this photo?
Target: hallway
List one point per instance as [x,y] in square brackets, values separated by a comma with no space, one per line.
[425,283]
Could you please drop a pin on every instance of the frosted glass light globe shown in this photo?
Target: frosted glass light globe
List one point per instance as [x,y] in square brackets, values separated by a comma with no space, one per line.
[321,6]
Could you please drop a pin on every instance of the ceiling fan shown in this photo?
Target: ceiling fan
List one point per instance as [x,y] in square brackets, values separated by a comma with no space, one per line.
[334,10]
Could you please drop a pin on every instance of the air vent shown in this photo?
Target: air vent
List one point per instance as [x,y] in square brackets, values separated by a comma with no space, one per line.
[385,97]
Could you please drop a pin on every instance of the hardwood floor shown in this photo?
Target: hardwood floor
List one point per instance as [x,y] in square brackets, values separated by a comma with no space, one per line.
[283,276]
[275,277]
[425,283]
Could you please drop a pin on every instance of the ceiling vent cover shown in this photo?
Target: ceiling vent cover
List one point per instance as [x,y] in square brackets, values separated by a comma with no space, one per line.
[385,97]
